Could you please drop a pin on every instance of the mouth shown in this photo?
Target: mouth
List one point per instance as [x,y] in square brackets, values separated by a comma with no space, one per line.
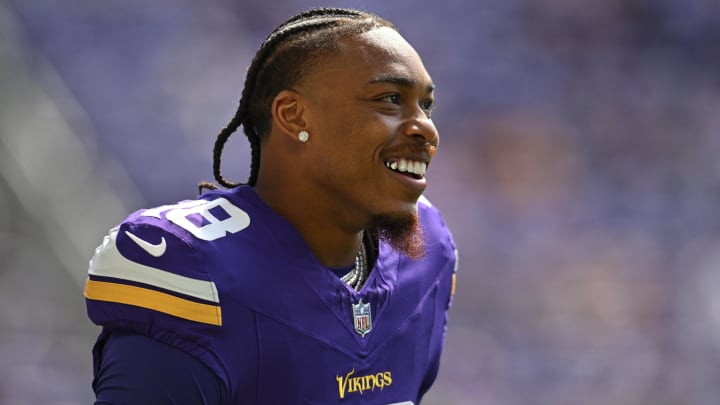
[415,169]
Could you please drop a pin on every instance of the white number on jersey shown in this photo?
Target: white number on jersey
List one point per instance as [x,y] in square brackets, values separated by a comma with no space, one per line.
[210,228]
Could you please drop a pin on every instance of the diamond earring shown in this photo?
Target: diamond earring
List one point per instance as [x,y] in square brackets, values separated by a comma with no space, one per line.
[303,136]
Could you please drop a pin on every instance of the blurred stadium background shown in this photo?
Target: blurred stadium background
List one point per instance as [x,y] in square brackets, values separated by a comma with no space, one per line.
[578,169]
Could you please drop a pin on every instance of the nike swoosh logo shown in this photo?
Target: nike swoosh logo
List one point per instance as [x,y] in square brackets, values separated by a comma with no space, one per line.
[156,250]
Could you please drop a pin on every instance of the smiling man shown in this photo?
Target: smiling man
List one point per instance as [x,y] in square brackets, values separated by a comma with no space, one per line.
[327,277]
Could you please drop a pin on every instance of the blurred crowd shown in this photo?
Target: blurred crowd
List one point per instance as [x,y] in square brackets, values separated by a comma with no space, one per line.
[578,169]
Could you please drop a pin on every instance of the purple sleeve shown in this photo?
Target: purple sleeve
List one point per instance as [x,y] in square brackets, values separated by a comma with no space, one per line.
[135,369]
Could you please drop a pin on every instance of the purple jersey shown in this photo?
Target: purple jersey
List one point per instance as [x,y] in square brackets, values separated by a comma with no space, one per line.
[227,280]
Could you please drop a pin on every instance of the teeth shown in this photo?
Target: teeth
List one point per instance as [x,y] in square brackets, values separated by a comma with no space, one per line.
[409,166]
[402,166]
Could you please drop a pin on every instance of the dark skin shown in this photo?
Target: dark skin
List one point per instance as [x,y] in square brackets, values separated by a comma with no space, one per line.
[364,106]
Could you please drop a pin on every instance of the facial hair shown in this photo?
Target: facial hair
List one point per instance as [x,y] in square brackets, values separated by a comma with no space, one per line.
[402,233]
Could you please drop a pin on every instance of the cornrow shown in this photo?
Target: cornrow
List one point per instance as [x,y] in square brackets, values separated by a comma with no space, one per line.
[278,64]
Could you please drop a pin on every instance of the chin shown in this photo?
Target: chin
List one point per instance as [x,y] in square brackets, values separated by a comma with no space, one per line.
[401,230]
[403,208]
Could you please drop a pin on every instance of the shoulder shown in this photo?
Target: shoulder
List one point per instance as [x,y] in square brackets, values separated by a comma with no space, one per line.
[153,262]
[153,274]
[433,225]
[441,251]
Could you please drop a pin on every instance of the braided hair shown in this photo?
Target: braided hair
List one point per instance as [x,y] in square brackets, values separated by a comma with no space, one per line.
[283,58]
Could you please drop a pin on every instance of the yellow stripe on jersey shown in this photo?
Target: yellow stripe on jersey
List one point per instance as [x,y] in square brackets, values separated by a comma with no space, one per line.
[454,276]
[155,300]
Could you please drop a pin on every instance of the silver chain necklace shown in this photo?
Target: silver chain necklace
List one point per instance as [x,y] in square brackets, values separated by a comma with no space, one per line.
[356,277]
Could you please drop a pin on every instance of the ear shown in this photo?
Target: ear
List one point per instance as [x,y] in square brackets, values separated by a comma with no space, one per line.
[288,113]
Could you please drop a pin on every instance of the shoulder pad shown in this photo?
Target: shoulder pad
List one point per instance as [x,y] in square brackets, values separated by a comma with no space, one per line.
[145,267]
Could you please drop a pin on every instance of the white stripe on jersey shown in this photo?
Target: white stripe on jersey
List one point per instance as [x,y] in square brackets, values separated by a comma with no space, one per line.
[108,262]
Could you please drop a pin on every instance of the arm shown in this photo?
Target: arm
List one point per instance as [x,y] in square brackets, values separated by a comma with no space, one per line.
[135,369]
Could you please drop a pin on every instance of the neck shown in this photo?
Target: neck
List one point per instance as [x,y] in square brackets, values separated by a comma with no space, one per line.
[332,244]
[332,232]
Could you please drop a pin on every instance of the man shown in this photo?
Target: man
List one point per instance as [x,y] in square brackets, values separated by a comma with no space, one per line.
[327,277]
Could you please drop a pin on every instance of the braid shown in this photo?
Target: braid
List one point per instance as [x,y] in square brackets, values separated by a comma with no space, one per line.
[277,65]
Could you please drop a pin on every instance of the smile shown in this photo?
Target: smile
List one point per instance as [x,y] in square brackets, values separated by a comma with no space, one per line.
[412,167]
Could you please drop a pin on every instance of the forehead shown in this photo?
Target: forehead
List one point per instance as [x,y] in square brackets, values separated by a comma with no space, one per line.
[372,54]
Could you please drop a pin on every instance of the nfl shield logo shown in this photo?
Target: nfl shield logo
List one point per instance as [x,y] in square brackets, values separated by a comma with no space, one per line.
[362,318]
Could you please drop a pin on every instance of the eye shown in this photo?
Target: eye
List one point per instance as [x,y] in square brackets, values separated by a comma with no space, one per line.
[428,105]
[391,98]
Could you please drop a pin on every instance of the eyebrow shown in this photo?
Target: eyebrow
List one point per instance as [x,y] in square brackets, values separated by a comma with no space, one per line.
[400,81]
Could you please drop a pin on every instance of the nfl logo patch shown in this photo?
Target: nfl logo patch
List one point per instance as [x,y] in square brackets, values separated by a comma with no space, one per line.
[362,318]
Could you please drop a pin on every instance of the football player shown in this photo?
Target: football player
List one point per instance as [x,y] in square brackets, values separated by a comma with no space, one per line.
[327,277]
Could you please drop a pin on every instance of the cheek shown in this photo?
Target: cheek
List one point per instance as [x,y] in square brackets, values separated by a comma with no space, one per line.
[352,134]
[356,135]
[374,128]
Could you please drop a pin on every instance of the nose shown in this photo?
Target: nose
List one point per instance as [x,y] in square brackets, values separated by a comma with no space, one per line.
[422,128]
